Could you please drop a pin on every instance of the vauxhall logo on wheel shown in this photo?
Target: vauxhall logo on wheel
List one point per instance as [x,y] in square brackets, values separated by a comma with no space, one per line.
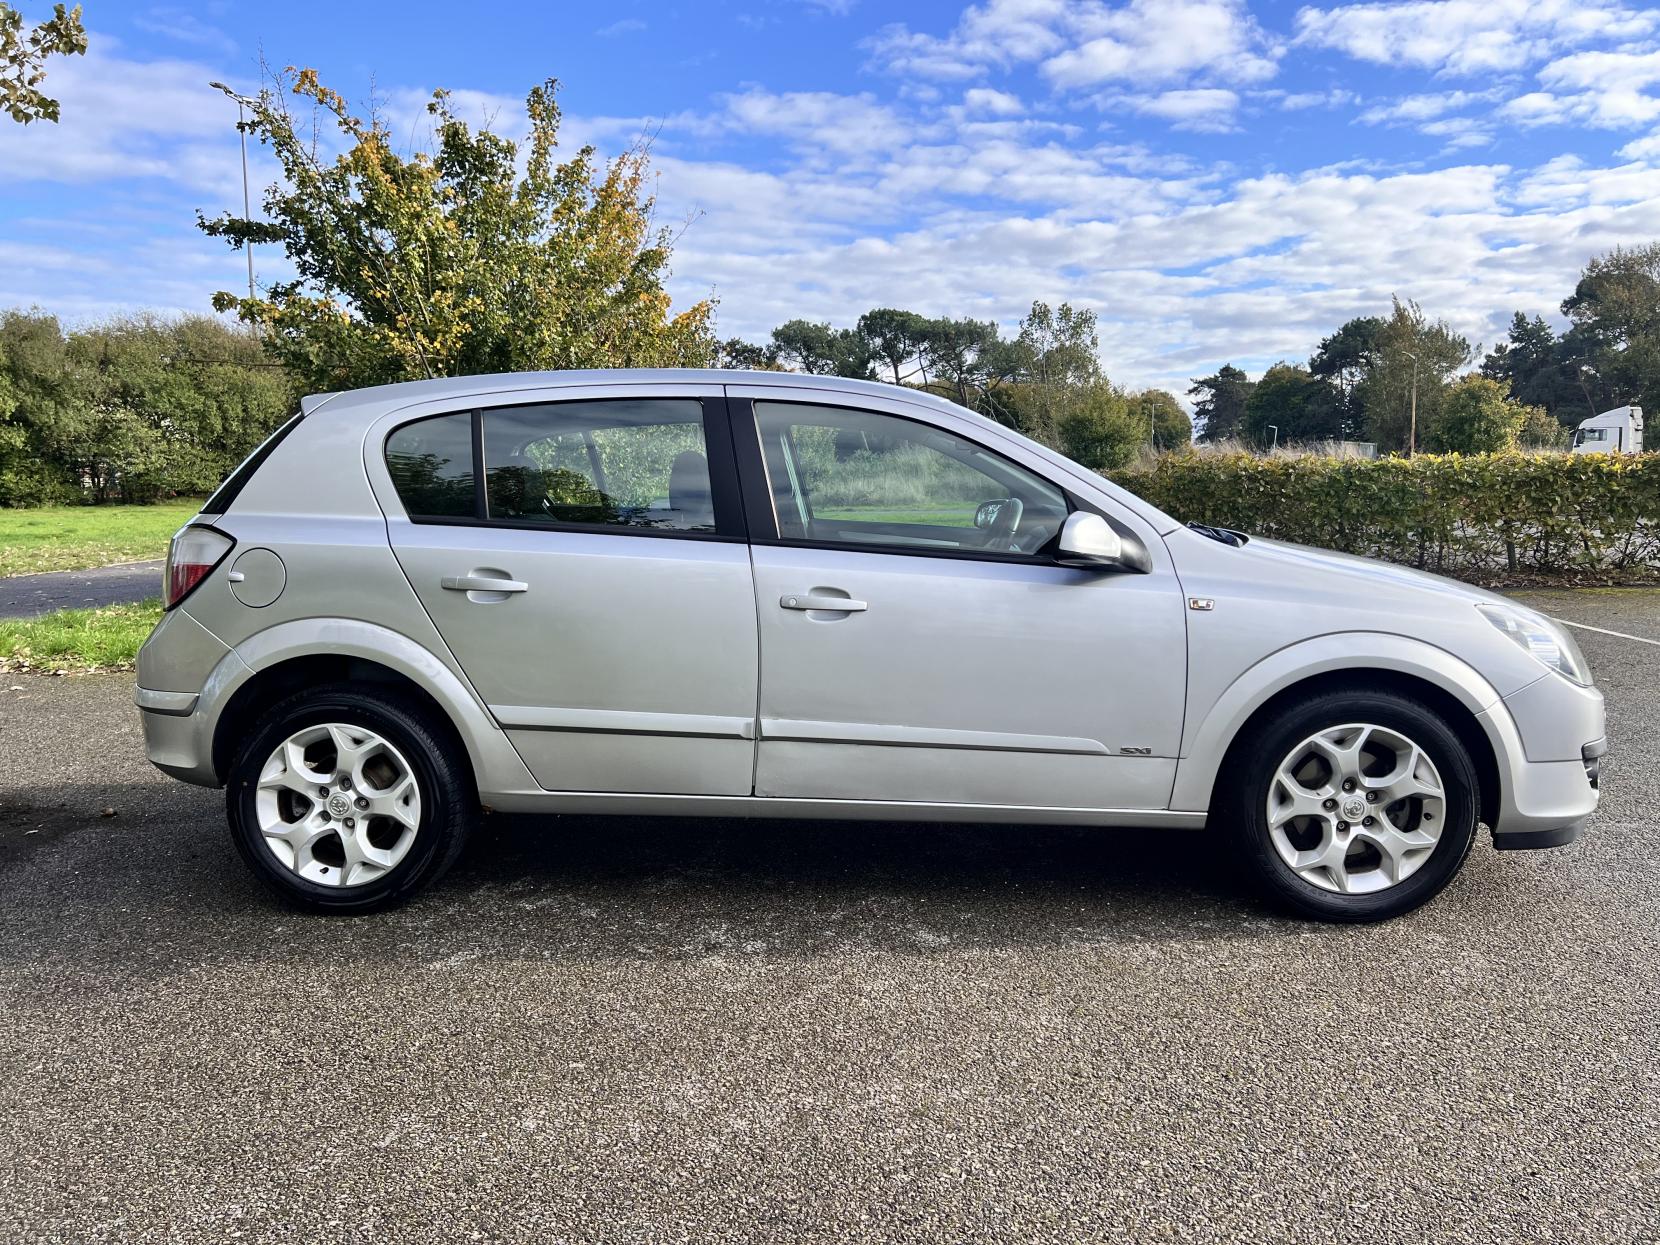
[339,805]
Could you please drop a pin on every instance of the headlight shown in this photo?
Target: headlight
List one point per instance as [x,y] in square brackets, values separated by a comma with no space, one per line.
[1542,639]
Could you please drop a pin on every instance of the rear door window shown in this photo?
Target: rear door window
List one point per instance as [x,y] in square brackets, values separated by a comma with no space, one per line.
[629,463]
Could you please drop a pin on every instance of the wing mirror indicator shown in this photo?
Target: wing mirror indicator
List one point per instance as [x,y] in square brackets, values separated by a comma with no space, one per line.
[1088,540]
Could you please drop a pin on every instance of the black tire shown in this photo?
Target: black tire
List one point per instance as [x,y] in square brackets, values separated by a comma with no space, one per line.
[449,805]
[1245,789]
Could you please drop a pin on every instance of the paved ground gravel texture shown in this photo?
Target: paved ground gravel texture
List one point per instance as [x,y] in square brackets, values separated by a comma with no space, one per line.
[28,596]
[606,1030]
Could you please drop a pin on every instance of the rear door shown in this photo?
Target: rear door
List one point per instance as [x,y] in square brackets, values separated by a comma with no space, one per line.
[919,642]
[584,557]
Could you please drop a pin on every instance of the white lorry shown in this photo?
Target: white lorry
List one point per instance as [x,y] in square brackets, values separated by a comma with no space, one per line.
[1619,431]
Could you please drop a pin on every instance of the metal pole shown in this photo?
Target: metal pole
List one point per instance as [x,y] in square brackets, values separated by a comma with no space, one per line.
[1412,434]
[247,207]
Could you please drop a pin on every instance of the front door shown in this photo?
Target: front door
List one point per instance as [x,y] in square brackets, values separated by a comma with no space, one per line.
[585,562]
[919,643]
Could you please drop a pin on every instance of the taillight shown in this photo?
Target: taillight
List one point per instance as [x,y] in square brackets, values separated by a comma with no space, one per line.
[191,557]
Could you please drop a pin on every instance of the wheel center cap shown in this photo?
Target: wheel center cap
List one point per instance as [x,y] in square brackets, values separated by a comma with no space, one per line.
[339,805]
[1354,808]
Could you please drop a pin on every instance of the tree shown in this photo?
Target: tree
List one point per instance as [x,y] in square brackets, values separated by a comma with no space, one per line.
[134,408]
[735,352]
[42,415]
[1615,309]
[454,262]
[1289,404]
[178,403]
[1531,367]
[1542,431]
[1167,424]
[1414,359]
[969,358]
[1344,360]
[1100,430]
[1478,417]
[1058,352]
[820,349]
[896,339]
[1220,405]
[23,60]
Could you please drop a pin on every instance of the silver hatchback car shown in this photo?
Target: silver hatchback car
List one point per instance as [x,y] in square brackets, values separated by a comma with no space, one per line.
[762,594]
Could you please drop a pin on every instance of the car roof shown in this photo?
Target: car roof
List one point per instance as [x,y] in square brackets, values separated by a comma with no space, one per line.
[412,391]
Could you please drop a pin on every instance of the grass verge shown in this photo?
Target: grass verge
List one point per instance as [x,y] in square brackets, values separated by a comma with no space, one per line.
[77,641]
[71,538]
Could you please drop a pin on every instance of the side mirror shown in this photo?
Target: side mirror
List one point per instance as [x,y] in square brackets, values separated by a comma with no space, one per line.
[1087,540]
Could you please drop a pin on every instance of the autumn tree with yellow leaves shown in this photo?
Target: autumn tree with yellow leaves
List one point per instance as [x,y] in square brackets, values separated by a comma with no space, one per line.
[454,262]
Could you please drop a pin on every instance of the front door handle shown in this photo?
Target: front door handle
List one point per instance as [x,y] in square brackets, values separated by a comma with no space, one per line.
[821,601]
[482,583]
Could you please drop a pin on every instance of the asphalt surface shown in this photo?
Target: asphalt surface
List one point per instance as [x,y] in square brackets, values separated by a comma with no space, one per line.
[25,596]
[605,1030]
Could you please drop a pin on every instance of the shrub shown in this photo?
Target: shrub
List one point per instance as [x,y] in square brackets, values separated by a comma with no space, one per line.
[1484,514]
[1478,416]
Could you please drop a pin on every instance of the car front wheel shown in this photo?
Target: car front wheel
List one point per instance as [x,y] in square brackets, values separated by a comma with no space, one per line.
[1354,806]
[344,799]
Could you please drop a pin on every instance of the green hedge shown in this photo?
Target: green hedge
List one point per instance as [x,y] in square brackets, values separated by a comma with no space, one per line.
[1484,515]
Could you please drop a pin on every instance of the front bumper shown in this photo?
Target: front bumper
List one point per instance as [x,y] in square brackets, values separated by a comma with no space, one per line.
[1529,840]
[1549,740]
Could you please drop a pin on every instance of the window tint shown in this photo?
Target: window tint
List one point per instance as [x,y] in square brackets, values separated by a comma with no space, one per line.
[618,463]
[845,476]
[431,463]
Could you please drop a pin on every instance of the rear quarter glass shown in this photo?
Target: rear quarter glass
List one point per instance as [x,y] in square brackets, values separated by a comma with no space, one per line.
[227,492]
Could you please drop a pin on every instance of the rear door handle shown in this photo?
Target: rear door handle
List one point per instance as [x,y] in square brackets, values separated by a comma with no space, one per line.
[821,601]
[482,583]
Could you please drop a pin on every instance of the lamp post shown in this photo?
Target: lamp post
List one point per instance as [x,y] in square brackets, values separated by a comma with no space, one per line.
[1275,429]
[242,103]
[1412,429]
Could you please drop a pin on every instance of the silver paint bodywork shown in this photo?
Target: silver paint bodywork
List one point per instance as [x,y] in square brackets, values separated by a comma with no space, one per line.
[657,675]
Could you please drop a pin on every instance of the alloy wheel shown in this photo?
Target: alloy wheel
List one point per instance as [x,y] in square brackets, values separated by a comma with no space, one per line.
[1356,809]
[337,804]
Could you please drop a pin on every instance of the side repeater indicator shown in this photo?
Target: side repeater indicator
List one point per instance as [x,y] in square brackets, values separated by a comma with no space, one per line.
[1200,603]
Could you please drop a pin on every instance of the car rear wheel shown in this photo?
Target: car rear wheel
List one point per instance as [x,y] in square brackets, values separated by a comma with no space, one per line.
[344,799]
[1353,806]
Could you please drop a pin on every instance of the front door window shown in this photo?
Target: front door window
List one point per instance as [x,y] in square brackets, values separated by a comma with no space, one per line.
[842,476]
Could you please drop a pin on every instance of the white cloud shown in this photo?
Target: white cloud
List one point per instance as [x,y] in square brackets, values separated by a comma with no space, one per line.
[817,120]
[1606,89]
[1459,133]
[172,23]
[997,32]
[1296,101]
[1089,43]
[1643,148]
[1610,107]
[623,26]
[1201,108]
[1162,41]
[998,103]
[1469,36]
[129,120]
[1422,107]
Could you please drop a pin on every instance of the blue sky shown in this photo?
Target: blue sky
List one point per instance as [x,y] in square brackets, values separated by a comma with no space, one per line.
[1219,181]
